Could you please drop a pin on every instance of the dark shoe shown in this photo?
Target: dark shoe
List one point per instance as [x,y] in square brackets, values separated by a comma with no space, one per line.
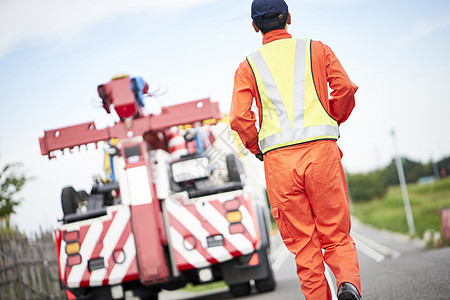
[348,291]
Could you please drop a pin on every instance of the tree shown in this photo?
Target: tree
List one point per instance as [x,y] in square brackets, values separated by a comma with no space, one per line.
[12,181]
[372,185]
[444,166]
[368,186]
[413,171]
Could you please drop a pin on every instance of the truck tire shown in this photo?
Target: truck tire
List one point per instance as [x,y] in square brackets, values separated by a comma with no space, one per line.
[69,200]
[150,297]
[240,289]
[235,168]
[101,293]
[267,284]
[146,294]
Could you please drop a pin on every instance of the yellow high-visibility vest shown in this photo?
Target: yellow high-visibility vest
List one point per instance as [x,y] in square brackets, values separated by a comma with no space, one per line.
[291,110]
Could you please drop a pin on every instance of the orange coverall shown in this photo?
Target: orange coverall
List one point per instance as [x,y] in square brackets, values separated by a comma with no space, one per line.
[306,182]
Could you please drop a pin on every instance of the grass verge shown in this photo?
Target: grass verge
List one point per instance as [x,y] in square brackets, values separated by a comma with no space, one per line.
[204,287]
[389,212]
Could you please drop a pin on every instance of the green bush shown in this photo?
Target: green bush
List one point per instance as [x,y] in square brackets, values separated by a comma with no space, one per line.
[364,187]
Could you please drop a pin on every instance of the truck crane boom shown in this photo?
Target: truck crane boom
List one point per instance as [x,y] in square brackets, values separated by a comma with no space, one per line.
[86,133]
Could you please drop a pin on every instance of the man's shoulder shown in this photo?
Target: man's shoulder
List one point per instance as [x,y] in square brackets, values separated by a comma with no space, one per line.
[317,43]
[319,47]
[244,64]
[244,69]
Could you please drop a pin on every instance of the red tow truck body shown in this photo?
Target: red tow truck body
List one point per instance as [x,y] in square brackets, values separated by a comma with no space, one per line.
[169,215]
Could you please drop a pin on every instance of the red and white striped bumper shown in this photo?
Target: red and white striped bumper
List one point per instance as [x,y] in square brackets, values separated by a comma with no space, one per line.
[200,233]
[106,250]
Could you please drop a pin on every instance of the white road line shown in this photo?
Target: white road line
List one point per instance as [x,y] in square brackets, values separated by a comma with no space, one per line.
[329,277]
[386,251]
[280,254]
[372,249]
[367,250]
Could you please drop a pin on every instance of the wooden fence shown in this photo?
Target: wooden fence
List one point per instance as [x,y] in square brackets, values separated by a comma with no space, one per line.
[28,267]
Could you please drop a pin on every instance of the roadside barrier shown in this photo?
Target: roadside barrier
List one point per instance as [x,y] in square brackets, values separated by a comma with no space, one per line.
[28,267]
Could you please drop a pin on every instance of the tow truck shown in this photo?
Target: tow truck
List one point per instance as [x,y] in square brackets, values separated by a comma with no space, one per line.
[177,207]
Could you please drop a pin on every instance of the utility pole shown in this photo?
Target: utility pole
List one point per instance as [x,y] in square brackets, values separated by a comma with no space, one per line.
[401,178]
[435,170]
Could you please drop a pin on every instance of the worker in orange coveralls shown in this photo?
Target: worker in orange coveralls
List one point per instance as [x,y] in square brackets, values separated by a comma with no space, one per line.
[296,138]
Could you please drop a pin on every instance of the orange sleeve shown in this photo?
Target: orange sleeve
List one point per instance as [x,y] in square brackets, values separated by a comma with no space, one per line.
[242,119]
[327,69]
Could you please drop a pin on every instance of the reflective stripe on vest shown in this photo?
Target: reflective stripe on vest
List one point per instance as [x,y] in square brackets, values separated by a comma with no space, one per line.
[291,110]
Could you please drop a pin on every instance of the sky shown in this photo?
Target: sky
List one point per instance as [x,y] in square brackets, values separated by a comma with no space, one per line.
[54,54]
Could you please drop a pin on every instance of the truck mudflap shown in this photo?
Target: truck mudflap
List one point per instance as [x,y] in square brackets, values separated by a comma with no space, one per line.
[98,251]
[213,229]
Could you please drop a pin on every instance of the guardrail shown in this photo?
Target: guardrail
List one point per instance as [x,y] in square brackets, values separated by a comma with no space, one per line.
[29,267]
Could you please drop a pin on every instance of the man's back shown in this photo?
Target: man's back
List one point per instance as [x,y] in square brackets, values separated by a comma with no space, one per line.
[325,68]
[298,128]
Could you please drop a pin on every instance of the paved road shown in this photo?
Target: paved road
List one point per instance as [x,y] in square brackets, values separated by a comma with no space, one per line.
[407,271]
[392,267]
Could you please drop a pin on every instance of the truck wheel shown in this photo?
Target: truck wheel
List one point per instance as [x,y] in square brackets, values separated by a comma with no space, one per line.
[153,296]
[235,168]
[146,294]
[69,200]
[240,289]
[267,284]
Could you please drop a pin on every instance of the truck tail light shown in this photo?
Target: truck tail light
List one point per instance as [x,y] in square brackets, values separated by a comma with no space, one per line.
[73,248]
[232,204]
[71,236]
[70,295]
[236,228]
[73,260]
[254,261]
[234,216]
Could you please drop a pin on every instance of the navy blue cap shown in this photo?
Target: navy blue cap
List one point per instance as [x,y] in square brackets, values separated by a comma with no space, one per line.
[262,7]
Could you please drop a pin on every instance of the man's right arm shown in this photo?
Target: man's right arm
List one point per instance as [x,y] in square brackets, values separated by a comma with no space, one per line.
[242,119]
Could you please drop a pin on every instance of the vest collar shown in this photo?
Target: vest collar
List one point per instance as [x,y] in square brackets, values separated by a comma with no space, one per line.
[276,35]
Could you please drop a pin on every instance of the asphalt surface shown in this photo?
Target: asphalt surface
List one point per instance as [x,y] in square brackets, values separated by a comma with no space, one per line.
[392,266]
[423,275]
